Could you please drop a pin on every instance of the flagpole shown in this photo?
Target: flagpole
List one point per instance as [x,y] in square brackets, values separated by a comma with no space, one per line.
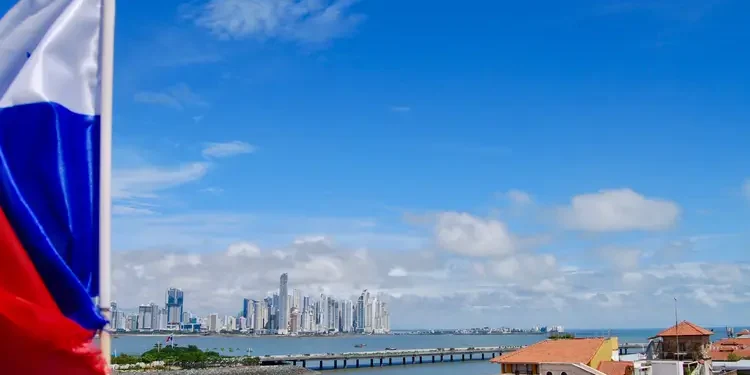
[107,45]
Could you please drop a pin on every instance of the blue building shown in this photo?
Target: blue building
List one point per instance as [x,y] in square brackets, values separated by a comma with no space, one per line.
[175,301]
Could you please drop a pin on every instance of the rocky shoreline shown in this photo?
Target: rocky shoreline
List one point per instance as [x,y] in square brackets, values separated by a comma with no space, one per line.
[240,370]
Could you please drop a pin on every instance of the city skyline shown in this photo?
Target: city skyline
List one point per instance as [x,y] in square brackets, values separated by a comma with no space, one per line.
[577,163]
[279,313]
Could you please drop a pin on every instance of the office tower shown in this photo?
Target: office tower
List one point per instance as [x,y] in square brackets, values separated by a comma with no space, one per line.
[296,299]
[174,305]
[114,311]
[348,314]
[260,318]
[213,323]
[274,311]
[246,303]
[336,316]
[230,323]
[283,313]
[131,323]
[186,317]
[249,313]
[148,317]
[361,311]
[294,320]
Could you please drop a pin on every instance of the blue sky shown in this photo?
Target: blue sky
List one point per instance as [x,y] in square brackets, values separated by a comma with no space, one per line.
[542,163]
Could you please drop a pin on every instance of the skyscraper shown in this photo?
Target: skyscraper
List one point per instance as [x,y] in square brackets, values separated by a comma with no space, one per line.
[174,304]
[283,314]
[246,303]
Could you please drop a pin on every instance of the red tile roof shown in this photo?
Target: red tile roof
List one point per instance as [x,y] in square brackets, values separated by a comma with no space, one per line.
[615,368]
[685,328]
[721,349]
[723,355]
[563,350]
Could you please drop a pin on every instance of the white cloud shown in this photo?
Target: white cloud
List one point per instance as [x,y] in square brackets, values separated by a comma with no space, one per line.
[519,197]
[146,181]
[621,258]
[176,97]
[468,235]
[397,272]
[226,149]
[618,210]
[120,209]
[244,249]
[302,21]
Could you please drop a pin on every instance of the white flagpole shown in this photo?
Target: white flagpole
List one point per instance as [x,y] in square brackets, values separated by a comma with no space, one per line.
[107,45]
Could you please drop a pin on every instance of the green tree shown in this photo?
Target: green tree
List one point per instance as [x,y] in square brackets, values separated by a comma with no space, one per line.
[733,357]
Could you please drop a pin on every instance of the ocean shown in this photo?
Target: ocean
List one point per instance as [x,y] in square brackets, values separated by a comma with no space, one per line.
[239,345]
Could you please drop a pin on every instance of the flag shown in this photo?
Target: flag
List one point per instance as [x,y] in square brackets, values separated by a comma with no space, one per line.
[49,186]
[169,338]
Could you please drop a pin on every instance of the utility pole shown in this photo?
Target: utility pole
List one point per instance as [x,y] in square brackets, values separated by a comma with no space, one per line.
[676,329]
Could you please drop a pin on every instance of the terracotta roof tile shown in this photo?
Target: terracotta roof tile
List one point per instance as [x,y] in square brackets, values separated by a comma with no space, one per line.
[563,350]
[722,355]
[615,368]
[685,328]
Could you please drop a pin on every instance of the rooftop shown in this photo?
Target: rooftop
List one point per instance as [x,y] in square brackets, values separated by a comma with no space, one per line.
[615,368]
[721,349]
[564,350]
[684,328]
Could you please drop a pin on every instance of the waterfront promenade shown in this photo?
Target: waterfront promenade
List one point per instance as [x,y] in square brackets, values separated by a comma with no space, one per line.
[402,357]
[385,357]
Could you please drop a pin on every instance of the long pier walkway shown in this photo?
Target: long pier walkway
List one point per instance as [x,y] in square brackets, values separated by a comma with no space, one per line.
[386,357]
[392,357]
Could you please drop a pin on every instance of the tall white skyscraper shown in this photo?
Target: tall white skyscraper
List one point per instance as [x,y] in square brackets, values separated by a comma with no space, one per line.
[348,316]
[296,299]
[213,323]
[283,314]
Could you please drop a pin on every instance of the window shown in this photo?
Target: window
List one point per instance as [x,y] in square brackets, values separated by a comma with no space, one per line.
[563,373]
[549,372]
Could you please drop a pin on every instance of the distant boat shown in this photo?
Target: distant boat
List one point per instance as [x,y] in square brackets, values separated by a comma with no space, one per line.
[360,345]
[389,348]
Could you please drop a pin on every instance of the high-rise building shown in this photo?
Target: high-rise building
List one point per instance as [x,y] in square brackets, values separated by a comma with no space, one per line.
[283,313]
[294,320]
[347,316]
[296,299]
[260,318]
[213,323]
[230,323]
[246,305]
[148,317]
[361,311]
[174,305]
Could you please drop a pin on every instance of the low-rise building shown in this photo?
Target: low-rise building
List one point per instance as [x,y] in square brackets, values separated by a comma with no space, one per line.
[685,341]
[560,357]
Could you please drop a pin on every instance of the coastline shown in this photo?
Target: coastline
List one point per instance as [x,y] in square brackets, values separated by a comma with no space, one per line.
[241,335]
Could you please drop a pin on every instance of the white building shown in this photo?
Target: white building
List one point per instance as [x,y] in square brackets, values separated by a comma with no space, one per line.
[213,323]
[230,323]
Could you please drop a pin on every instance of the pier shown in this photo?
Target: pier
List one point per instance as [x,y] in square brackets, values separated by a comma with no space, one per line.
[403,357]
[388,357]
[639,346]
